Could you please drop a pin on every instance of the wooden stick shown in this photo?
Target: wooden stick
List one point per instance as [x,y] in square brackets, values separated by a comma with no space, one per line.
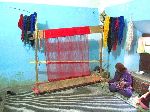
[100,52]
[36,50]
[92,61]
[96,29]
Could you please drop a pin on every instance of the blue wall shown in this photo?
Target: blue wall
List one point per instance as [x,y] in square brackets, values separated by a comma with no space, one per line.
[138,10]
[14,56]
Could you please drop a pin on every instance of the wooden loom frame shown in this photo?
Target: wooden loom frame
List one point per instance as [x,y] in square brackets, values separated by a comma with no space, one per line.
[52,86]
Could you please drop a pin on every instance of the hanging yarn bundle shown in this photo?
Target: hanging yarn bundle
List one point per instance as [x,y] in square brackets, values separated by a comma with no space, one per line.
[109,39]
[106,30]
[113,32]
[121,29]
[27,25]
[130,35]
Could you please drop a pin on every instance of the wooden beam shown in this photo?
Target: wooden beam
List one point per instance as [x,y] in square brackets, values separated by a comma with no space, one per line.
[67,83]
[84,61]
[96,29]
[145,35]
[93,29]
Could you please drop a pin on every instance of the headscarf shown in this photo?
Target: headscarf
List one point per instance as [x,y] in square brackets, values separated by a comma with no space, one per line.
[120,67]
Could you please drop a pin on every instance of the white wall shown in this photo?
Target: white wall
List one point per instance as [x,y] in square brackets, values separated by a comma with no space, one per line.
[79,3]
[107,3]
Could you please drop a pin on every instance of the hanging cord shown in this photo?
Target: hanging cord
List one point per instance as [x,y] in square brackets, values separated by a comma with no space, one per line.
[20,9]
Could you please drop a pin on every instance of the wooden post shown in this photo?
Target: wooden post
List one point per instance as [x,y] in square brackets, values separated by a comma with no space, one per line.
[100,52]
[36,52]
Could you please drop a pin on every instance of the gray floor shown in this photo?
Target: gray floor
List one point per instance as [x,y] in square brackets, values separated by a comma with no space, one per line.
[83,99]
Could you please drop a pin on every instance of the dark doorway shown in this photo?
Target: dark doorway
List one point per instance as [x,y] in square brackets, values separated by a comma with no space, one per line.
[144,64]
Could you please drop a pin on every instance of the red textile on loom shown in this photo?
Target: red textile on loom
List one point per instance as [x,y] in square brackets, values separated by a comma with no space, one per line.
[71,48]
[62,32]
[66,48]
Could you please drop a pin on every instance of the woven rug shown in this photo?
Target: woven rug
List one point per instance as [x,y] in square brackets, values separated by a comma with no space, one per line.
[83,99]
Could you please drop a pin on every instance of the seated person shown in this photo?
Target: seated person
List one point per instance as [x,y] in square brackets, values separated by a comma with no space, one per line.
[122,81]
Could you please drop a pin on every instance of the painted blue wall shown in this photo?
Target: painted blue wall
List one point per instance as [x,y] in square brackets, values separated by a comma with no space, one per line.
[14,56]
[138,10]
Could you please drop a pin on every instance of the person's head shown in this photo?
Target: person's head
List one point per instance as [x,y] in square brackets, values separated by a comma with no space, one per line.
[120,67]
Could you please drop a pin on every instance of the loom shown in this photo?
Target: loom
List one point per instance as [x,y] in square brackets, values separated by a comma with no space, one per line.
[59,79]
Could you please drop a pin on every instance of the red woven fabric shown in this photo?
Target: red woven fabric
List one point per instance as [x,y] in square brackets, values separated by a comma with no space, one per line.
[53,33]
[71,48]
